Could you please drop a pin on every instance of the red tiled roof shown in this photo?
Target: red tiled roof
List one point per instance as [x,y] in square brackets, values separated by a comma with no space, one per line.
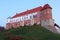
[32,11]
[28,12]
[46,6]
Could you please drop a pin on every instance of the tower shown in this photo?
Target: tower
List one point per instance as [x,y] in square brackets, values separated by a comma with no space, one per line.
[46,18]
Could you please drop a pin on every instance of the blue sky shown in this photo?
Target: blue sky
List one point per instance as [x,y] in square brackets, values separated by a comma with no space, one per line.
[11,7]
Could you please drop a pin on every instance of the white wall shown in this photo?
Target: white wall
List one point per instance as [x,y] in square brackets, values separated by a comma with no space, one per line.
[21,18]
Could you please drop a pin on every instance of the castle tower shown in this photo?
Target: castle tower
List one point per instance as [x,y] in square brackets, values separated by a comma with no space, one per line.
[46,18]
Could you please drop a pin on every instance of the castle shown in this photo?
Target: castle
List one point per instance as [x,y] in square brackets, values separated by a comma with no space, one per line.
[40,15]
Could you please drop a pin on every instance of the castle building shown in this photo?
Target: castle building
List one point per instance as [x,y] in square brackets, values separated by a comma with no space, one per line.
[40,15]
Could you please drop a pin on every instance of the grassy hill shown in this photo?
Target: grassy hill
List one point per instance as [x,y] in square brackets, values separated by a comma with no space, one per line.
[35,32]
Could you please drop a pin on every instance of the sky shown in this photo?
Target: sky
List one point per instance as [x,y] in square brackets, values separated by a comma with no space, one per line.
[8,8]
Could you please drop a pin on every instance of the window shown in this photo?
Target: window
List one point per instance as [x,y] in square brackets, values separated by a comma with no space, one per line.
[16,20]
[24,18]
[30,17]
[10,20]
[34,16]
[21,18]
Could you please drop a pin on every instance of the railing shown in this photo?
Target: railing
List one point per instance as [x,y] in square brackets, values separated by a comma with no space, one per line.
[57,25]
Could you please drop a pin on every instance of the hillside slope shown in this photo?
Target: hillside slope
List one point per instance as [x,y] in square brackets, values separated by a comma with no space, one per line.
[35,32]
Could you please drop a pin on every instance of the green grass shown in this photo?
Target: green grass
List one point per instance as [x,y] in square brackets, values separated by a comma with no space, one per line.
[31,33]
